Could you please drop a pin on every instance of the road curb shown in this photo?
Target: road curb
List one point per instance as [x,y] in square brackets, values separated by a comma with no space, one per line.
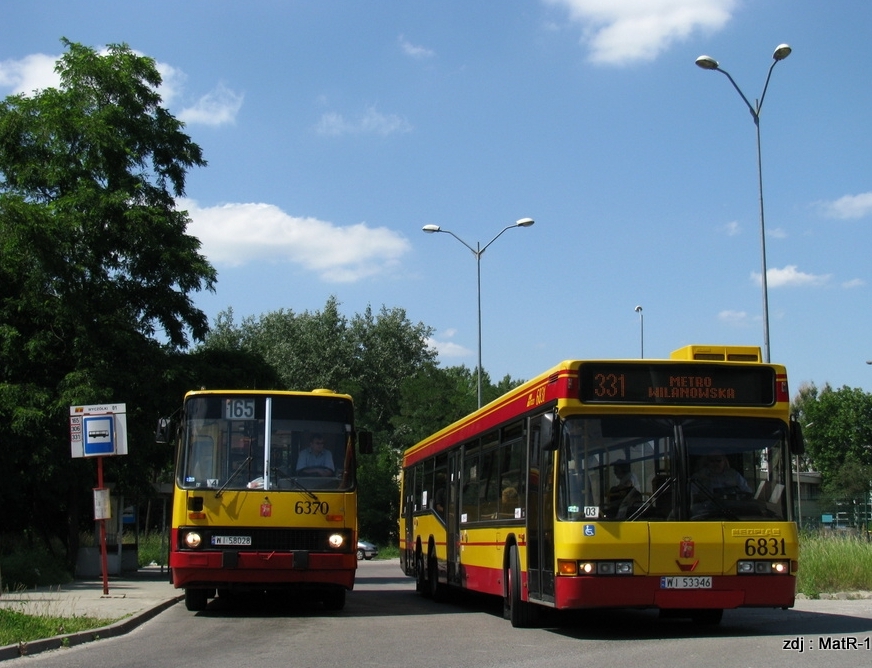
[71,639]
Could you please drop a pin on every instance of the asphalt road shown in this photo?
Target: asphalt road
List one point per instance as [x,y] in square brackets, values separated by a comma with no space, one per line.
[386,624]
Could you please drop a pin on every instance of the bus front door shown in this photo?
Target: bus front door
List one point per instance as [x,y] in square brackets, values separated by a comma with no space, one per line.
[540,514]
[452,533]
[408,556]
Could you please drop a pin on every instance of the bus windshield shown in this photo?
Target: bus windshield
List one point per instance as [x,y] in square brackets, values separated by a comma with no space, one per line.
[267,442]
[672,469]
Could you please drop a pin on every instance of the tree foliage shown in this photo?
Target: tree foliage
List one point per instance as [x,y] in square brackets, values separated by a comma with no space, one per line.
[96,272]
[837,425]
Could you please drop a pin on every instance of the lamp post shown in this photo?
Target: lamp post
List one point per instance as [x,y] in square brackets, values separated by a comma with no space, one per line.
[708,63]
[478,251]
[641,332]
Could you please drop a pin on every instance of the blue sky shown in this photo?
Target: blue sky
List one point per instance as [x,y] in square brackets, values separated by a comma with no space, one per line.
[334,131]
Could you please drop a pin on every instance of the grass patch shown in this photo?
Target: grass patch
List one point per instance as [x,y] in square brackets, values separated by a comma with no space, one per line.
[19,627]
[831,562]
[153,549]
[389,552]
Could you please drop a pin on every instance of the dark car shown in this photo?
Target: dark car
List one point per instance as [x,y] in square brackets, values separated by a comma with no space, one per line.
[366,550]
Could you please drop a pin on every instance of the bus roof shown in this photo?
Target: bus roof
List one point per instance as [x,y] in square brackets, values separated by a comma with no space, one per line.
[557,382]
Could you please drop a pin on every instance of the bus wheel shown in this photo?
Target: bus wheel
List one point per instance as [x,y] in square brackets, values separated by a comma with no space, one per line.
[196,599]
[334,599]
[420,576]
[521,613]
[436,590]
[707,617]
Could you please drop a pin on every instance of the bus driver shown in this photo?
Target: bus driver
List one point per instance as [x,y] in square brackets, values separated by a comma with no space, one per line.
[315,460]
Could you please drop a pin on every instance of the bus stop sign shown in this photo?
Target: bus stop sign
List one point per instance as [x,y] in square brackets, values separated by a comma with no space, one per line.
[98,430]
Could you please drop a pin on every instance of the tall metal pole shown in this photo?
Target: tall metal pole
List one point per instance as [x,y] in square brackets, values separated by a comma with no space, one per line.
[478,251]
[708,63]
[641,332]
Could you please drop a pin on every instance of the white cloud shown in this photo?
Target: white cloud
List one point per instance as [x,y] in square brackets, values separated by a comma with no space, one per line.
[371,122]
[215,108]
[413,50]
[848,207]
[33,72]
[619,32]
[736,318]
[776,232]
[854,283]
[36,72]
[733,229]
[447,348]
[790,277]
[236,234]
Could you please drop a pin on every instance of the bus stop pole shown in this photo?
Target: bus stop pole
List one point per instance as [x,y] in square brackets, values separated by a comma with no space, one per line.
[104,561]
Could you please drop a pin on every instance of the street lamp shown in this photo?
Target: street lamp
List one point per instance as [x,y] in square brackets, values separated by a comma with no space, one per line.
[708,63]
[641,332]
[478,251]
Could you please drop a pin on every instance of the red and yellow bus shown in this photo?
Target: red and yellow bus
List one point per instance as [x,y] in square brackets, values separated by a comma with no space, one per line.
[250,512]
[662,484]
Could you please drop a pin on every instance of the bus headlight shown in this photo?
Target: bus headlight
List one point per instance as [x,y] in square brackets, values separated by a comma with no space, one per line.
[336,540]
[598,568]
[763,568]
[193,539]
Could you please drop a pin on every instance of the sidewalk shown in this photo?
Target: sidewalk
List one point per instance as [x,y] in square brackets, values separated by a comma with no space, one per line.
[132,599]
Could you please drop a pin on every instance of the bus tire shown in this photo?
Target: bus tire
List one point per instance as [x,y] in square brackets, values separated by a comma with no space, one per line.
[196,599]
[421,576]
[436,590]
[334,599]
[522,614]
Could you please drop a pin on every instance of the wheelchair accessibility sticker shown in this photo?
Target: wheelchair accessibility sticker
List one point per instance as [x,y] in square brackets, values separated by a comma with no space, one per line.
[589,530]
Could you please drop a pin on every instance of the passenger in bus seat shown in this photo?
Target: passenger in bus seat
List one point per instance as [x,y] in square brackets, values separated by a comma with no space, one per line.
[717,477]
[315,459]
[439,495]
[626,493]
[509,501]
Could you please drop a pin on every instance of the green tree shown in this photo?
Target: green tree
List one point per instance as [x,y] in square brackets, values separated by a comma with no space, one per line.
[837,426]
[96,272]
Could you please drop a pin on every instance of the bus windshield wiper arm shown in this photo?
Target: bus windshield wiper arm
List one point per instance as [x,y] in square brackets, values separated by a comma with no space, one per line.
[651,499]
[232,476]
[305,489]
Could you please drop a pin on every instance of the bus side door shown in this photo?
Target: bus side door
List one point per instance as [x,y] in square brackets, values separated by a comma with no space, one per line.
[540,512]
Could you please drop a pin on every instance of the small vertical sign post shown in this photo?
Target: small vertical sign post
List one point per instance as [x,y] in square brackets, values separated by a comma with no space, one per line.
[99,431]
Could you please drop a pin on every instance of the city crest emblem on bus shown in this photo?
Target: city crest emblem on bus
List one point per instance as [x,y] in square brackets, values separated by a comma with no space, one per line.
[686,548]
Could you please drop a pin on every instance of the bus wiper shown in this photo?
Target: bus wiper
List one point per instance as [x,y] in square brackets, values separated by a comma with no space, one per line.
[305,489]
[651,499]
[232,476]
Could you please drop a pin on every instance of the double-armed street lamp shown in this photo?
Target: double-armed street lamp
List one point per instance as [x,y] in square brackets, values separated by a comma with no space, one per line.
[708,63]
[478,251]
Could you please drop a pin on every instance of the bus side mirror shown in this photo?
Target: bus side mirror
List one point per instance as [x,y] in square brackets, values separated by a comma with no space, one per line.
[162,433]
[797,441]
[364,442]
[549,430]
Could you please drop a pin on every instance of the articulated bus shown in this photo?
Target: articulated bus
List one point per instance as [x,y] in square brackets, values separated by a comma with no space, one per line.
[250,512]
[659,484]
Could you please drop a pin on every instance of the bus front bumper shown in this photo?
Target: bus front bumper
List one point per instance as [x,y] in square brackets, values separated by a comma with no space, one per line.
[214,568]
[727,592]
